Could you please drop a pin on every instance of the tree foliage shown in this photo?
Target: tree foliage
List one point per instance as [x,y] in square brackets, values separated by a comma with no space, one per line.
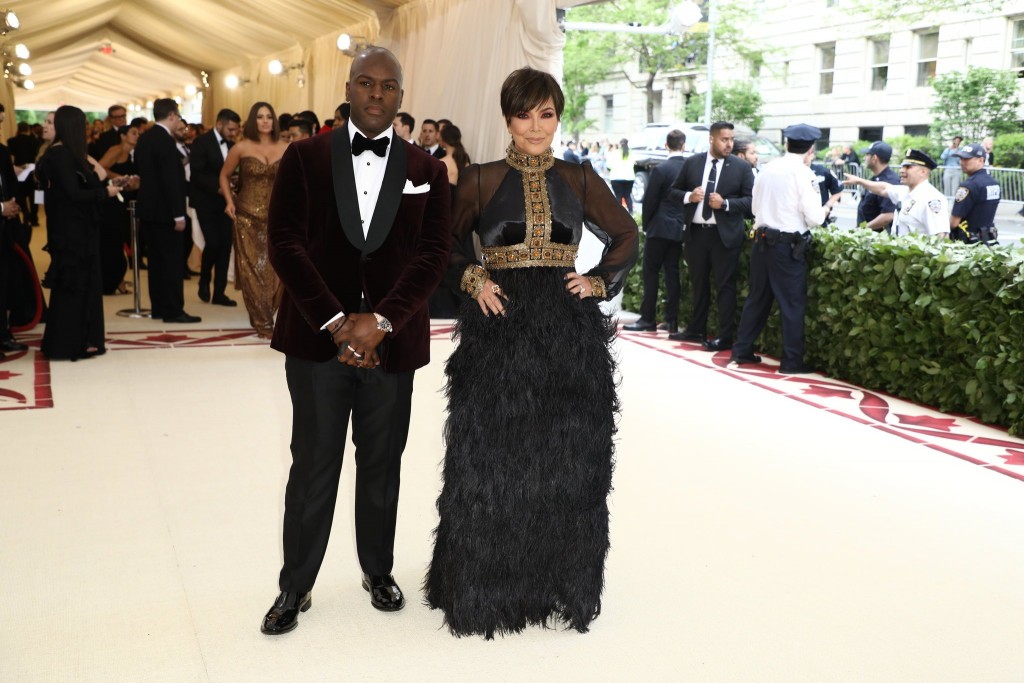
[974,104]
[911,11]
[738,103]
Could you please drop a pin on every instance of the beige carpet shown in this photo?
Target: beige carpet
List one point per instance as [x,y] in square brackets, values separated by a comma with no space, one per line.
[754,537]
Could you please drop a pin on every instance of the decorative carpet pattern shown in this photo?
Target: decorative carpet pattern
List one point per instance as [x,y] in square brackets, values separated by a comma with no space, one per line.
[960,436]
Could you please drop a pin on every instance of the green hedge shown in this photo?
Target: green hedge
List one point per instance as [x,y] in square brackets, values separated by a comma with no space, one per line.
[939,324]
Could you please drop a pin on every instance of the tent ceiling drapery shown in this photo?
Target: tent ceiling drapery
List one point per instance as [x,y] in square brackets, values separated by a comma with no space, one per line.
[455,53]
[160,46]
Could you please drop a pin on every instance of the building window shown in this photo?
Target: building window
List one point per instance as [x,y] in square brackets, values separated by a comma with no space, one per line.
[870,134]
[828,67]
[927,56]
[656,105]
[609,113]
[823,141]
[1017,45]
[785,73]
[879,63]
[831,3]
[917,131]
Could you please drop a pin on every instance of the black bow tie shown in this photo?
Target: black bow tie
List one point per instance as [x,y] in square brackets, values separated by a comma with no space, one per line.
[360,144]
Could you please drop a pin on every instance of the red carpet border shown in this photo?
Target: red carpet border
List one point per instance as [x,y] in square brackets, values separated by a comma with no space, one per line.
[960,436]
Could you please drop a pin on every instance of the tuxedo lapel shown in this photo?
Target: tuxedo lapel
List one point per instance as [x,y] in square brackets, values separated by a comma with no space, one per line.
[390,196]
[345,188]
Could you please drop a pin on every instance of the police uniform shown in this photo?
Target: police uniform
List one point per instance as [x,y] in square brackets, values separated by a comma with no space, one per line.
[977,199]
[923,210]
[828,184]
[871,205]
[786,203]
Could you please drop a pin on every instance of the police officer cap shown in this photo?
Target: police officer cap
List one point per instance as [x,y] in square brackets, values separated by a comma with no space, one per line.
[882,150]
[971,151]
[916,157]
[801,132]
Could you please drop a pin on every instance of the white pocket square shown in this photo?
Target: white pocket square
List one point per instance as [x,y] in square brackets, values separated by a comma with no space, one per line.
[415,189]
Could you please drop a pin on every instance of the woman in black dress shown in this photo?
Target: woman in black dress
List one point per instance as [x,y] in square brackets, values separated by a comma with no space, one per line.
[73,193]
[115,221]
[532,405]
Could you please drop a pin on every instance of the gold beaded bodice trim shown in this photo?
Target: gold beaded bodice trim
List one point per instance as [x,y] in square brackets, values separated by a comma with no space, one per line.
[538,249]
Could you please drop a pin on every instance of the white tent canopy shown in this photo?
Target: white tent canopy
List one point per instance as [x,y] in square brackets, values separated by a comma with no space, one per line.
[455,54]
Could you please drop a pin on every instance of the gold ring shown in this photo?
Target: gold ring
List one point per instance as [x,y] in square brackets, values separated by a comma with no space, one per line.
[496,289]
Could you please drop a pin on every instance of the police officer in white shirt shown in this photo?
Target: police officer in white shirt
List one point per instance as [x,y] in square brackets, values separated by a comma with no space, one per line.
[922,208]
[786,204]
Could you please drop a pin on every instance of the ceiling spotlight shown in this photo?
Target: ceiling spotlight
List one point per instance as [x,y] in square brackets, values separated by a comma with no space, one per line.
[351,45]
[206,78]
[20,51]
[275,67]
[233,81]
[24,69]
[191,90]
[28,84]
[177,99]
[149,104]
[11,22]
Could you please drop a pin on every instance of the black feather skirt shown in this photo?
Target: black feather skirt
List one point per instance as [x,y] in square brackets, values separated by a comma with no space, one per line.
[532,410]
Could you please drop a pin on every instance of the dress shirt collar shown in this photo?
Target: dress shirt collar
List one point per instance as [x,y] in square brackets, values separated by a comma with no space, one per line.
[674,154]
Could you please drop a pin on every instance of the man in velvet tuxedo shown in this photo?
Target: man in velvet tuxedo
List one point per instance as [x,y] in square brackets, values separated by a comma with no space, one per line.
[161,211]
[209,151]
[715,189]
[359,234]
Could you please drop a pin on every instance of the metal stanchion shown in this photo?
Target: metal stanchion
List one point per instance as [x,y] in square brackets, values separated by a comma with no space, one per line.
[138,311]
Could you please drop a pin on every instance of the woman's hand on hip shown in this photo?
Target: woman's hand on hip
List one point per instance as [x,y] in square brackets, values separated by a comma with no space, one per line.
[492,299]
[578,285]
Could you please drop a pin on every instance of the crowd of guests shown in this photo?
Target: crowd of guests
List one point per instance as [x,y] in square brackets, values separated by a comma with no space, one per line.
[193,187]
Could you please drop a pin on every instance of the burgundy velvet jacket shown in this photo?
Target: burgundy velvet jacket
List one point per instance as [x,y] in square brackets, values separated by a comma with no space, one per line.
[316,245]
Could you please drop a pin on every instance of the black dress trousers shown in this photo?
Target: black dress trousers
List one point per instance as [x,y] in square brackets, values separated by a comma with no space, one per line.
[661,254]
[217,228]
[166,268]
[704,253]
[775,276]
[324,396]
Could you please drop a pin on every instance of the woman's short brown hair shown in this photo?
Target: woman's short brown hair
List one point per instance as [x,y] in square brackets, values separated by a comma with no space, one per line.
[527,89]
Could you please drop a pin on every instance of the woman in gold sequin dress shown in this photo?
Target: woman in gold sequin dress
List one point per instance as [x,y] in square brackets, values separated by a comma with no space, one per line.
[532,405]
[256,157]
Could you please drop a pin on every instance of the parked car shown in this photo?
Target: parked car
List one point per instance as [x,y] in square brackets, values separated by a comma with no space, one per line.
[648,148]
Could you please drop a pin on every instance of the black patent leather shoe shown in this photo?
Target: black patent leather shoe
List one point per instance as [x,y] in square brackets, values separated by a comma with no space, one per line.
[12,345]
[719,344]
[204,293]
[184,318]
[284,615]
[687,336]
[801,369]
[746,360]
[640,325]
[385,594]
[222,300]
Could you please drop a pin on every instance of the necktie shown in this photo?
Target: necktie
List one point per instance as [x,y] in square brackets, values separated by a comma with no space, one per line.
[712,178]
[360,144]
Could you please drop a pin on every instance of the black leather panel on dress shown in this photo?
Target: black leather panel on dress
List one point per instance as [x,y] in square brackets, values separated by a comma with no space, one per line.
[503,220]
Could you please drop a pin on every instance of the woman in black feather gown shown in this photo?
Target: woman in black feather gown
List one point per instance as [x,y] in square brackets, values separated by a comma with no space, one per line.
[532,404]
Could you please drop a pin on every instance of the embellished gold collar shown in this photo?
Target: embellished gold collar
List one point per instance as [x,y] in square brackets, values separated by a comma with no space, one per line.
[528,162]
[537,249]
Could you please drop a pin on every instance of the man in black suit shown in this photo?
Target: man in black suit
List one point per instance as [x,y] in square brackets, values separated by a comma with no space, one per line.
[117,116]
[715,189]
[24,148]
[11,233]
[429,139]
[161,211]
[570,154]
[208,154]
[359,233]
[663,239]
